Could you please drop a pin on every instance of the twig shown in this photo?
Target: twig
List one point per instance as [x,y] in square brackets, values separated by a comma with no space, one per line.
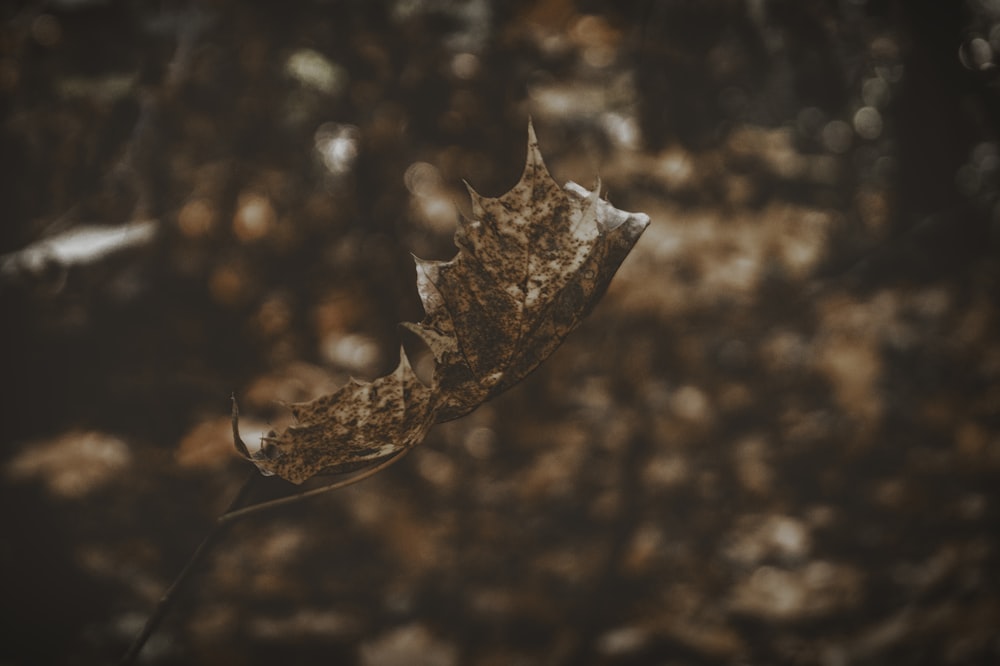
[168,598]
[233,513]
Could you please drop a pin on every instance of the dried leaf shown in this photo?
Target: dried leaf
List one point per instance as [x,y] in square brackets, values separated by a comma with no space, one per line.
[360,423]
[531,264]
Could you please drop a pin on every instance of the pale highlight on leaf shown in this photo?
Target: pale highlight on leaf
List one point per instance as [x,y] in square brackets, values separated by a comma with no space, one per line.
[531,264]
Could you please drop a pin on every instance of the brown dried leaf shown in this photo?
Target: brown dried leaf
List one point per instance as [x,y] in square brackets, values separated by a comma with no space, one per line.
[531,264]
[360,423]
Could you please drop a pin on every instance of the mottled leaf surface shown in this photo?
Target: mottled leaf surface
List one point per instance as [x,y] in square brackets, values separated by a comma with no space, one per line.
[531,264]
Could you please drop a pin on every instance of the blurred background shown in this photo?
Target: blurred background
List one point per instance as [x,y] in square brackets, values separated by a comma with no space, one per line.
[776,440]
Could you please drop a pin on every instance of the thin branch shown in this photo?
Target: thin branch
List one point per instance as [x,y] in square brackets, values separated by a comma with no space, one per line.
[233,513]
[168,598]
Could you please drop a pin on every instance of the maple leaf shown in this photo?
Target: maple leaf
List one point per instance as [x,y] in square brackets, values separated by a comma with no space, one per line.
[530,265]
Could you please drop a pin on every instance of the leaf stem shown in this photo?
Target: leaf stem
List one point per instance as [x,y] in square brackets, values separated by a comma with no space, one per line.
[237,514]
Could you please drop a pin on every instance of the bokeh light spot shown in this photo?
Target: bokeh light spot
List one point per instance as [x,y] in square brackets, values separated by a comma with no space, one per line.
[465,66]
[196,218]
[836,136]
[254,217]
[868,122]
[313,70]
[976,54]
[338,146]
[45,29]
[72,465]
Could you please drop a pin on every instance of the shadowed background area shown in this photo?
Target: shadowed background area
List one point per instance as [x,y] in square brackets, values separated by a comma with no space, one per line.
[776,439]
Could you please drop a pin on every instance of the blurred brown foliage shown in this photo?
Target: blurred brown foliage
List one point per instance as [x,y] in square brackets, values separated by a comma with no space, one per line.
[777,440]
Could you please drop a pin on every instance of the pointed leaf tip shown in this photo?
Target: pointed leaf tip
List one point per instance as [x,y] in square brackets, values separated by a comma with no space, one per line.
[534,157]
